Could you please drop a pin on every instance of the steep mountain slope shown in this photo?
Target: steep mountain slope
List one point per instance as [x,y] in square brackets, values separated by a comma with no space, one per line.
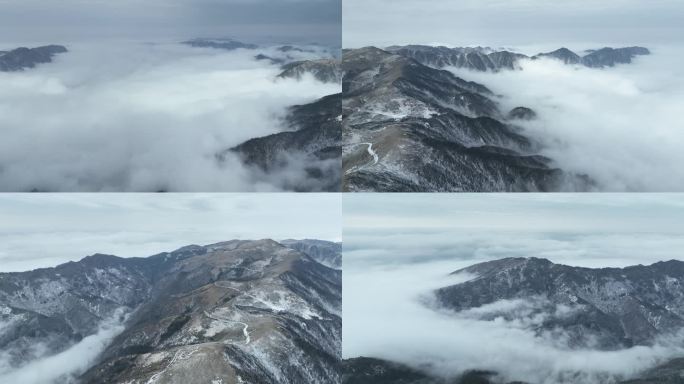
[313,144]
[22,58]
[607,308]
[239,311]
[487,59]
[410,127]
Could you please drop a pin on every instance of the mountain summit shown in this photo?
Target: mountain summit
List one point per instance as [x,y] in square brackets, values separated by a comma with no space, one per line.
[237,311]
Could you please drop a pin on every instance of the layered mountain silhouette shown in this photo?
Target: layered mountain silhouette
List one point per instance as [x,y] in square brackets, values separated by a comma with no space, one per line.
[23,58]
[225,44]
[488,59]
[412,128]
[237,311]
[592,309]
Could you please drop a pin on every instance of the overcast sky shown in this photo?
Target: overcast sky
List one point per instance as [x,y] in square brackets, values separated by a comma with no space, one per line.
[43,230]
[591,230]
[76,20]
[511,22]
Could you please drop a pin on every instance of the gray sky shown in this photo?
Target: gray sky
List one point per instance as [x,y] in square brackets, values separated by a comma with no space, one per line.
[43,230]
[75,20]
[511,22]
[591,230]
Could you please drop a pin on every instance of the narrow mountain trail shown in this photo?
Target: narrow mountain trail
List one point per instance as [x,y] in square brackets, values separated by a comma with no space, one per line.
[372,152]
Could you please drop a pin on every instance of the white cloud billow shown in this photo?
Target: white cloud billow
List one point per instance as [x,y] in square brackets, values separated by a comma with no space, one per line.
[142,117]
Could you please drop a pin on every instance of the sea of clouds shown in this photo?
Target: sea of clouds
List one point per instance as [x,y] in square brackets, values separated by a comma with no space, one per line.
[390,312]
[128,116]
[622,126]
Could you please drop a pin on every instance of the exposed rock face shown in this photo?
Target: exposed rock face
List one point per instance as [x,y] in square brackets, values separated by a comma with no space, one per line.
[313,143]
[411,127]
[239,311]
[608,308]
[325,70]
[479,59]
[23,58]
[226,44]
[487,59]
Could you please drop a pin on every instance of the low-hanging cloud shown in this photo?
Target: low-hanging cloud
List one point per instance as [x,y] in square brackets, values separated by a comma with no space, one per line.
[622,126]
[143,117]
[398,249]
[68,364]
[387,316]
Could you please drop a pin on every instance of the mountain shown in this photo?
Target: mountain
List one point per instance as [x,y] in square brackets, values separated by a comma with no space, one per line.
[238,311]
[312,143]
[364,370]
[325,252]
[22,58]
[607,308]
[590,308]
[324,70]
[226,44]
[410,127]
[609,57]
[479,59]
[563,54]
[487,59]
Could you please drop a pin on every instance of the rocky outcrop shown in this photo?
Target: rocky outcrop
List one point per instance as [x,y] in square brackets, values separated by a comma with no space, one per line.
[23,58]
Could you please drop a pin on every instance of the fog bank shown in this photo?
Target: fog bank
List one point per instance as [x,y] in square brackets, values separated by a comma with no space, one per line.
[622,126]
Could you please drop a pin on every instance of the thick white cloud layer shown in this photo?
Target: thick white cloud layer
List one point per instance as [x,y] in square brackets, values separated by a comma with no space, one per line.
[142,117]
[399,248]
[622,126]
[385,317]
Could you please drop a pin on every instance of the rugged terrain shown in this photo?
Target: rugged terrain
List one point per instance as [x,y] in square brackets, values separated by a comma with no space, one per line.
[307,155]
[311,142]
[488,59]
[408,127]
[608,308]
[23,58]
[232,312]
[587,309]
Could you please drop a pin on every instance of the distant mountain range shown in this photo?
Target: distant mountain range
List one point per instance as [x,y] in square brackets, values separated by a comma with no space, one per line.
[409,127]
[23,58]
[487,59]
[600,309]
[232,312]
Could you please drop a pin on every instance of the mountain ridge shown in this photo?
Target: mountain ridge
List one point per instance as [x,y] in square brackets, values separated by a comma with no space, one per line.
[238,306]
